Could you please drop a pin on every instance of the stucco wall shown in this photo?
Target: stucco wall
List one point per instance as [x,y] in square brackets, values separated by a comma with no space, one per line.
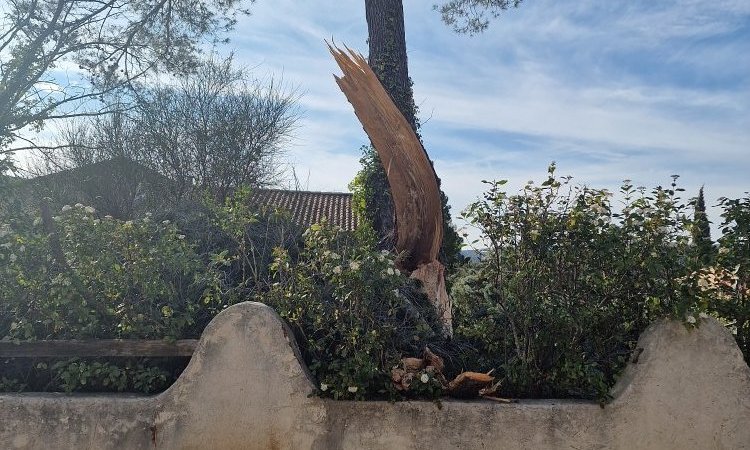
[245,388]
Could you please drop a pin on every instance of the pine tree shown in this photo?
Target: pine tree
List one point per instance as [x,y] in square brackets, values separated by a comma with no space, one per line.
[388,59]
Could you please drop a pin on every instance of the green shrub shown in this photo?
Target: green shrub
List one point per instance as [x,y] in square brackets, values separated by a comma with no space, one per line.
[149,278]
[119,279]
[353,313]
[249,238]
[567,286]
[109,279]
[723,288]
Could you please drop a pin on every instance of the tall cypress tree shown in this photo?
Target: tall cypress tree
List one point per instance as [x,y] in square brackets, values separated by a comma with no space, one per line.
[701,231]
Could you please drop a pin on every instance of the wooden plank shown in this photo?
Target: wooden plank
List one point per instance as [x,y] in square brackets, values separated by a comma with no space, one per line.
[97,347]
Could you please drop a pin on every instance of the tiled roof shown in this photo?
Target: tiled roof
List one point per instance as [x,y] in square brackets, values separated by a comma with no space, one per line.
[308,208]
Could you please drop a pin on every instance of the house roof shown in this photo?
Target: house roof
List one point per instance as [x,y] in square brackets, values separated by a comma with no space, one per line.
[305,207]
[308,207]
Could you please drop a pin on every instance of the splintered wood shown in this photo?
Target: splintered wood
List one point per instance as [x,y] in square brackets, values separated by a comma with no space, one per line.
[416,196]
[465,385]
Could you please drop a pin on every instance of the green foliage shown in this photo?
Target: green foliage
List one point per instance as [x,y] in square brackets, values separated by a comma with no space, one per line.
[131,279]
[450,249]
[119,279]
[249,237]
[566,285]
[372,199]
[77,375]
[151,278]
[353,313]
[556,305]
[373,204]
[473,16]
[701,231]
[727,283]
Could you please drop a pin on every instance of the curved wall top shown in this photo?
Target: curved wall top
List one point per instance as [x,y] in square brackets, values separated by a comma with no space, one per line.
[246,388]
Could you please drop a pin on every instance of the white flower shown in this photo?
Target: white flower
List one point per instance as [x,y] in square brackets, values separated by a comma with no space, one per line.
[396,293]
[66,208]
[110,217]
[424,378]
[165,222]
[352,389]
[148,214]
[79,205]
[690,319]
[180,236]
[335,255]
[12,257]
[390,271]
[381,258]
[89,209]
[337,270]
[128,223]
[354,265]
[323,387]
[22,248]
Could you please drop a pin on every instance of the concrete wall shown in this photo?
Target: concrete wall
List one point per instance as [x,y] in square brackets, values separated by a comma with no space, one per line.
[245,388]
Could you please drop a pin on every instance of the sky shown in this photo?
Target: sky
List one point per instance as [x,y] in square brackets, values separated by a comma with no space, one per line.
[609,90]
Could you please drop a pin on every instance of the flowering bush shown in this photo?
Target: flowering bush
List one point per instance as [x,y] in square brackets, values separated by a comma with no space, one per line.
[131,279]
[353,313]
[567,285]
[82,276]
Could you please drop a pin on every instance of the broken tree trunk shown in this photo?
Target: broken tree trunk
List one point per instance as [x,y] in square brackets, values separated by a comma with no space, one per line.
[416,196]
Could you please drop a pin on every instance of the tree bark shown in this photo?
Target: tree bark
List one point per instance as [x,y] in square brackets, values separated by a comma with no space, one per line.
[389,62]
[387,58]
[387,45]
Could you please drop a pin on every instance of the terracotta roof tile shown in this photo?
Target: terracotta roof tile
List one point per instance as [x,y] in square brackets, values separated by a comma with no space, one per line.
[308,207]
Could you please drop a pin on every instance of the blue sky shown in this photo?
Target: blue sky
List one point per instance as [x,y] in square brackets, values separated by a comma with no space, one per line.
[608,89]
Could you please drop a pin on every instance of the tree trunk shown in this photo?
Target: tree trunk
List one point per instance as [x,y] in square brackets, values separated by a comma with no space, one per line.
[387,58]
[387,42]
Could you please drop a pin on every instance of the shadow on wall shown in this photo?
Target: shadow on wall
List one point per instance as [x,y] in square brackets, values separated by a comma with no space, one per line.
[246,388]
